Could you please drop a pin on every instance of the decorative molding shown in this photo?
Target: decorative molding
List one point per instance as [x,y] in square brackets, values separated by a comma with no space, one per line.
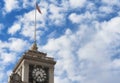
[35,56]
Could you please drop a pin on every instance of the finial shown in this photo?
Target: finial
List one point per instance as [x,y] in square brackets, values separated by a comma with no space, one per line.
[34,47]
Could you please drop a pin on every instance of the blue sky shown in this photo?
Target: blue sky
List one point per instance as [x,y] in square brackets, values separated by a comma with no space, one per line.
[82,35]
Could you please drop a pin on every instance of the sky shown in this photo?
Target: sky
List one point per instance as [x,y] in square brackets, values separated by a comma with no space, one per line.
[83,36]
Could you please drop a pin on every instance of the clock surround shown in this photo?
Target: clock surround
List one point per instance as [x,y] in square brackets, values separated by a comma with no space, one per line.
[38,74]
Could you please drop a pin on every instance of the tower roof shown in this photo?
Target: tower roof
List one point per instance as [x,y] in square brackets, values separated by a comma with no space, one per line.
[37,56]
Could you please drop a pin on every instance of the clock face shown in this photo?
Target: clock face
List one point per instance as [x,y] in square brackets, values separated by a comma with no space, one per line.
[39,74]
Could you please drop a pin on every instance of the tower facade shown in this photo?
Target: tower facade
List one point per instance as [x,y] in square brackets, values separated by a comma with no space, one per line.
[33,67]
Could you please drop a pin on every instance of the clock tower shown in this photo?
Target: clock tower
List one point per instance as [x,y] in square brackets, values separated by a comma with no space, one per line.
[33,67]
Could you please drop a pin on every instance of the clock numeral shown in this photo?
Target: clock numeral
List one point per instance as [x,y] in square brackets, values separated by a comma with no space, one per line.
[39,74]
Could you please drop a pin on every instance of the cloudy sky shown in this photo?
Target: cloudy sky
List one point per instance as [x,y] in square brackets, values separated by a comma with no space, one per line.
[82,35]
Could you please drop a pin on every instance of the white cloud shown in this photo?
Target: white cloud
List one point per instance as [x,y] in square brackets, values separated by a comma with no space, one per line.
[105,9]
[112,25]
[77,3]
[57,16]
[113,2]
[61,80]
[116,64]
[4,73]
[16,27]
[88,63]
[75,18]
[80,18]
[91,6]
[11,5]
[17,45]
[28,3]
[8,58]
[14,44]
[97,53]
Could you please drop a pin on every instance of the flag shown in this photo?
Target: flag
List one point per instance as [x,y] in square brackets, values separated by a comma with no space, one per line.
[37,7]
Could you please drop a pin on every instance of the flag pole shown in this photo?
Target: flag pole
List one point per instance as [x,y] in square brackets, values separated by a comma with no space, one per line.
[34,46]
[35,24]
